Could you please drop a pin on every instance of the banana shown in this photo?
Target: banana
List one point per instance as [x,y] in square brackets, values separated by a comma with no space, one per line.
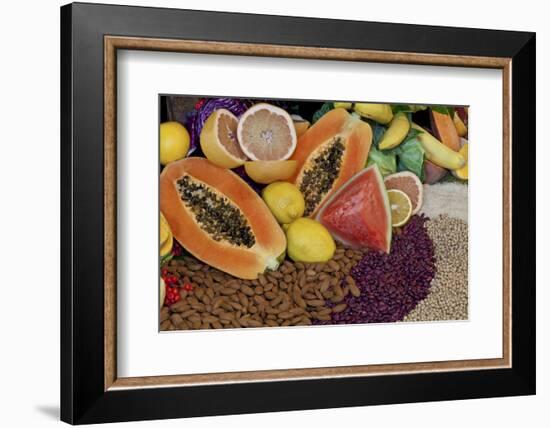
[437,152]
[462,173]
[396,132]
[166,237]
[346,106]
[380,113]
[459,125]
[162,292]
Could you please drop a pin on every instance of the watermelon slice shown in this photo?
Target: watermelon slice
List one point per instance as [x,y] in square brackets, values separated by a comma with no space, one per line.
[358,214]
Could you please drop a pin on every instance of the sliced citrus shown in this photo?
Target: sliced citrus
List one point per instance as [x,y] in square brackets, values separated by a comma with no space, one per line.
[401,207]
[266,132]
[409,183]
[266,172]
[219,140]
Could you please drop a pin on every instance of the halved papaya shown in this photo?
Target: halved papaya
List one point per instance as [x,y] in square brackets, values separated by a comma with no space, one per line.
[330,152]
[219,219]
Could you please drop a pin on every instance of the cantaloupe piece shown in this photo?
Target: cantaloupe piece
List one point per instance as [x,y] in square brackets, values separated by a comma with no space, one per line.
[219,219]
[330,152]
[444,130]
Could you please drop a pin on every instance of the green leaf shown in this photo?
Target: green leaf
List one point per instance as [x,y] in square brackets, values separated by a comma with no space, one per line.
[410,157]
[413,133]
[407,108]
[165,259]
[377,133]
[326,107]
[386,160]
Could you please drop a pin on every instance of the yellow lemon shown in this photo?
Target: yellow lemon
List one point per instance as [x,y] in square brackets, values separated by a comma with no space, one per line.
[285,201]
[174,142]
[309,241]
[401,207]
[166,238]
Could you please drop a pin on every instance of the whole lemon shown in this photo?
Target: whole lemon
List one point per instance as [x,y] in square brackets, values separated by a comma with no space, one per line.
[285,201]
[309,241]
[174,142]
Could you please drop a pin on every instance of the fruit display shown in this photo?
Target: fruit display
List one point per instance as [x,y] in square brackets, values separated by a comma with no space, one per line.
[296,213]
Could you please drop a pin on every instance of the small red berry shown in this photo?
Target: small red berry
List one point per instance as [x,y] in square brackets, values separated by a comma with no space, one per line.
[187,287]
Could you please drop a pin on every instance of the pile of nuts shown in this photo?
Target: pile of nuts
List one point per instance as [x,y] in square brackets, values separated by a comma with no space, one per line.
[295,294]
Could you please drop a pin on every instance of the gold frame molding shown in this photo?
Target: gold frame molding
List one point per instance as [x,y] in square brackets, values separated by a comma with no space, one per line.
[113,43]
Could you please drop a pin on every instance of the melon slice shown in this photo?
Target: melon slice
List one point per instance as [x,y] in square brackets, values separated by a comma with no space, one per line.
[358,214]
[219,219]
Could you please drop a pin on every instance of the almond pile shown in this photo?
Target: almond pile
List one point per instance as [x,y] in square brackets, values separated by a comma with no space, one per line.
[295,294]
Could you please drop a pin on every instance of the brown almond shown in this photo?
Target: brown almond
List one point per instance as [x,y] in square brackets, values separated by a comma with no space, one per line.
[164,314]
[339,308]
[285,315]
[254,323]
[236,306]
[247,290]
[315,302]
[179,306]
[188,313]
[176,319]
[334,265]
[270,295]
[199,307]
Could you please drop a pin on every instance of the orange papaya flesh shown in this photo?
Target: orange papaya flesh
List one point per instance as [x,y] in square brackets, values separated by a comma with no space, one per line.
[328,154]
[219,219]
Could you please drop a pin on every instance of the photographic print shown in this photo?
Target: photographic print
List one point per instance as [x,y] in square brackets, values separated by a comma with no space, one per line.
[295,213]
